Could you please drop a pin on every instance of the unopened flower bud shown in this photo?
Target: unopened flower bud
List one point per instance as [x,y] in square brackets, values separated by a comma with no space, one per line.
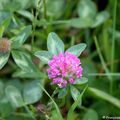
[5,45]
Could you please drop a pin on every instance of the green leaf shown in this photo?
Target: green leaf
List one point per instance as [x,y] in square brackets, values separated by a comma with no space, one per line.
[3,59]
[4,25]
[75,104]
[80,22]
[26,74]
[18,40]
[26,14]
[12,5]
[6,22]
[32,92]
[23,61]
[15,5]
[63,92]
[81,81]
[55,44]
[4,16]
[90,115]
[58,5]
[1,31]
[77,49]
[15,82]
[14,96]
[5,107]
[74,92]
[87,9]
[44,56]
[100,18]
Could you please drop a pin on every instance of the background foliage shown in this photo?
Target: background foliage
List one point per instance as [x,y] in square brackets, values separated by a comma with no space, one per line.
[26,24]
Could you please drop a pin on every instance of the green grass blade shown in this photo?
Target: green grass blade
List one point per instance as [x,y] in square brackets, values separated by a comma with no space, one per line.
[57,109]
[113,36]
[101,57]
[104,64]
[104,74]
[29,112]
[105,96]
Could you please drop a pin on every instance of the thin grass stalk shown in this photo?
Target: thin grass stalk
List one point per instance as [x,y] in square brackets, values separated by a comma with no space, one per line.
[104,64]
[113,36]
[113,42]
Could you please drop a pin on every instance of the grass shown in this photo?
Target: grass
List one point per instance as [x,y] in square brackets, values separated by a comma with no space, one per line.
[100,61]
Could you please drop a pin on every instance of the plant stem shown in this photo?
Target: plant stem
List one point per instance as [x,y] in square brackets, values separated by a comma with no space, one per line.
[101,57]
[45,11]
[113,42]
[34,22]
[104,64]
[87,38]
[113,36]
[29,112]
[57,109]
[74,105]
[72,40]
[33,31]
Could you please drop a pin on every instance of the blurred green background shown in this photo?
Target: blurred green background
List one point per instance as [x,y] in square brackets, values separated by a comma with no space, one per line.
[94,22]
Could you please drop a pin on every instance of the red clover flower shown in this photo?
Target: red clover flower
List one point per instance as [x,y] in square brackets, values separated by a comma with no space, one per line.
[64,69]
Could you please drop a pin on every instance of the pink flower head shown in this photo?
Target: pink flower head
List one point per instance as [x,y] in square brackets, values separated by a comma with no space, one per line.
[64,69]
